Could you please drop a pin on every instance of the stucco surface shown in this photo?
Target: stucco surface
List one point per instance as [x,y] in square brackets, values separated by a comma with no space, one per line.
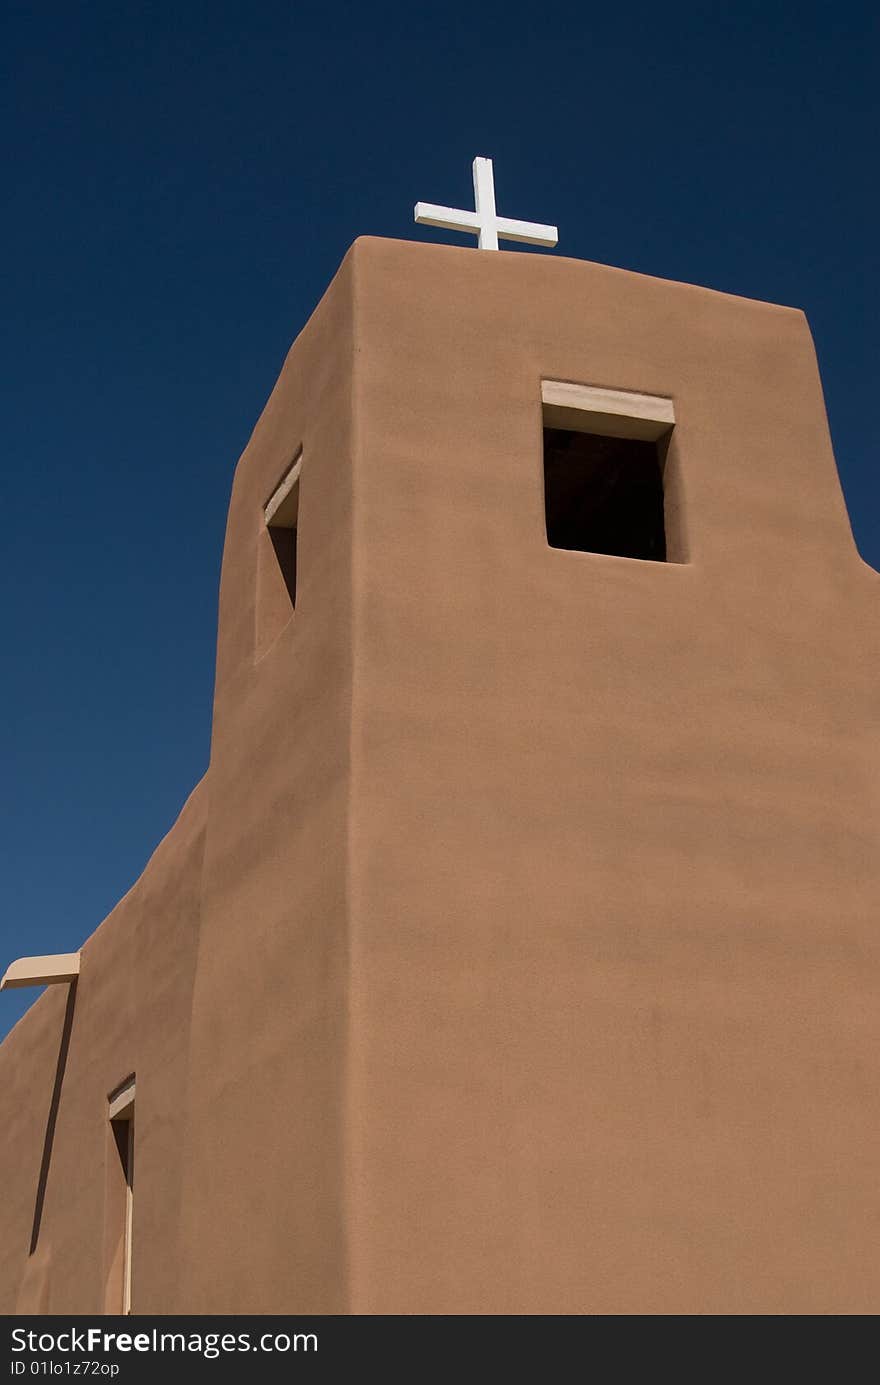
[130,1013]
[518,952]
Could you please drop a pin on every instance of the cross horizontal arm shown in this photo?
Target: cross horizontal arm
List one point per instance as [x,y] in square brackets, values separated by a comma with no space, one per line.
[530,232]
[447,218]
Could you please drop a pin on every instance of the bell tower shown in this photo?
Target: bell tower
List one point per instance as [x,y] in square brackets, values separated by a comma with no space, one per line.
[538,949]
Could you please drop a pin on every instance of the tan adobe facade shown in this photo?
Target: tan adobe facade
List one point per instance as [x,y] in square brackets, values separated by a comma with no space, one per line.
[518,952]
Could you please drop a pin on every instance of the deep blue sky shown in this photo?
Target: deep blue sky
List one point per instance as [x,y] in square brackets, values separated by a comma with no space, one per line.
[181,182]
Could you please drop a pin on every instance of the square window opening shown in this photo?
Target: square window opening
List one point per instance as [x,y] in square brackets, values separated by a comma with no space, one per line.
[604,495]
[605,455]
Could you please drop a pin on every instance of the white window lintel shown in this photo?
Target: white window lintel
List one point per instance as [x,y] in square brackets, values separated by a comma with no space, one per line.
[121,1101]
[280,510]
[607,412]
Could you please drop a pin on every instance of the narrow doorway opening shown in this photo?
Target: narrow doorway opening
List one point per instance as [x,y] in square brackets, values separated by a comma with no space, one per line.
[120,1197]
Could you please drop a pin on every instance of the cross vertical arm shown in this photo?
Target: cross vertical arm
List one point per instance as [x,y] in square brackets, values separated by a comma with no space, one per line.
[484,201]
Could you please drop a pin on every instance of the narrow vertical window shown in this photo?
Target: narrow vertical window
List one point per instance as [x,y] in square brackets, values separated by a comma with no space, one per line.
[277,554]
[281,514]
[120,1197]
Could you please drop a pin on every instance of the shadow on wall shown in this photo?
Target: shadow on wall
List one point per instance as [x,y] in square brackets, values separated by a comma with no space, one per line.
[49,1137]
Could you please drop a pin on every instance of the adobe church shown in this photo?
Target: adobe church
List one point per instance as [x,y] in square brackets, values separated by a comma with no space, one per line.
[518,951]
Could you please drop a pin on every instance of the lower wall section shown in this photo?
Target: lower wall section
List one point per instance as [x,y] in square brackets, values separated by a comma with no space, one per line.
[129,1013]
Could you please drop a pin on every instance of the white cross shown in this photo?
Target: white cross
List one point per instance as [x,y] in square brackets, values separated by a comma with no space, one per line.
[485,223]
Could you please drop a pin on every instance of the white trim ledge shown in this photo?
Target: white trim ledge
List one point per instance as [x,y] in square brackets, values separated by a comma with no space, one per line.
[610,413]
[41,971]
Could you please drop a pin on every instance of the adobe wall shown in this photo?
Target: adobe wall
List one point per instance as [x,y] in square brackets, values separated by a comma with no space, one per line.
[615,964]
[220,978]
[263,1223]
[130,1013]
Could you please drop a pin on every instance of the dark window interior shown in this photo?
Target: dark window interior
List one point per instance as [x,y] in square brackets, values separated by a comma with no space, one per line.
[284,544]
[604,495]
